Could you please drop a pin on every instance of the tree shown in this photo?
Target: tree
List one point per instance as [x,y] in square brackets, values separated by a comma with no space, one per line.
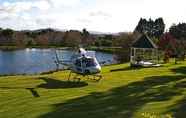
[124,41]
[167,42]
[152,28]
[20,39]
[159,27]
[7,35]
[85,38]
[7,32]
[72,38]
[179,32]
[169,45]
[42,40]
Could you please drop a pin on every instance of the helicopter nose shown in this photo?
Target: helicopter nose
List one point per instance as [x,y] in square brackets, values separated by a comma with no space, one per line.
[98,68]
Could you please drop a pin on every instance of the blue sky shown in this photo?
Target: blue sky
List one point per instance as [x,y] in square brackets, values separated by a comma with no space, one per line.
[95,15]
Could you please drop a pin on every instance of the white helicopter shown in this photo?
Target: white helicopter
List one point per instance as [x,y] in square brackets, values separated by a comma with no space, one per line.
[82,63]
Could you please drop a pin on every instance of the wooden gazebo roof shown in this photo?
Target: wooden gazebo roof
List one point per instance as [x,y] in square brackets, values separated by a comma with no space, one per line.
[144,42]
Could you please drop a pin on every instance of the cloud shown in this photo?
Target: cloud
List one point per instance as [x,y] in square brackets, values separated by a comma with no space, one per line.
[81,20]
[58,3]
[96,15]
[23,6]
[100,14]
[23,14]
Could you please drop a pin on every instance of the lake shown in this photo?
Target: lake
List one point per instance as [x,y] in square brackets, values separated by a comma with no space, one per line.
[34,61]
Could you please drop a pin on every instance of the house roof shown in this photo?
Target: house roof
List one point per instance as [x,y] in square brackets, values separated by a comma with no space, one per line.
[144,42]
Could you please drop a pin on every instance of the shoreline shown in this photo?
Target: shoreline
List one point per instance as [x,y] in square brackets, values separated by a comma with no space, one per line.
[34,74]
[110,50]
[50,71]
[6,48]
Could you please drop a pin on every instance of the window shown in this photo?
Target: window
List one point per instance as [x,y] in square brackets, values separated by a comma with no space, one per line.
[78,62]
[90,62]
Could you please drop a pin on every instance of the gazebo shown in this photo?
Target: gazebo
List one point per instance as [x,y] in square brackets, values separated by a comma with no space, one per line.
[144,52]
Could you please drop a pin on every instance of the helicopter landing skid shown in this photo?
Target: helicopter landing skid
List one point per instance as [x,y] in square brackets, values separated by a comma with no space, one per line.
[77,76]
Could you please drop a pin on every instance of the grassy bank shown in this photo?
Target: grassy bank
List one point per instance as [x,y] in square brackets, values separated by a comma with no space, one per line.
[102,49]
[122,93]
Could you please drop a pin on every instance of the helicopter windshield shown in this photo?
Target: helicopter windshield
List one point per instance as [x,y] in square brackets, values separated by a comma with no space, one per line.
[90,62]
[85,62]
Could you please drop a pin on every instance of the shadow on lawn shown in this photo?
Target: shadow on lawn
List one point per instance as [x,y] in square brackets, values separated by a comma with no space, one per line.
[51,84]
[181,70]
[119,102]
[125,69]
[34,92]
[58,84]
[179,108]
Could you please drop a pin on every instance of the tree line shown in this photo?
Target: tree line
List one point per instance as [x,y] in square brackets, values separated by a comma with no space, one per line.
[52,37]
[172,42]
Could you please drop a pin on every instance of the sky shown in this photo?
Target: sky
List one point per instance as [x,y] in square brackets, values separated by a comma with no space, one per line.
[94,15]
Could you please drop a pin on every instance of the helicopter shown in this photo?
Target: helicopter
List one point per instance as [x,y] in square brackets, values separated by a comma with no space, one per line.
[82,63]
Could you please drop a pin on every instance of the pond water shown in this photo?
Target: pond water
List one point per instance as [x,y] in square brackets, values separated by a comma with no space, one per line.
[33,61]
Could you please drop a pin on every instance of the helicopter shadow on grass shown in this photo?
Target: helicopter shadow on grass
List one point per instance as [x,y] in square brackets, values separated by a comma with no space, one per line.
[122,101]
[33,91]
[51,83]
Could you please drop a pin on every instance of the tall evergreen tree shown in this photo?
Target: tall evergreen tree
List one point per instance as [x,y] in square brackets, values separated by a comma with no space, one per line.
[152,28]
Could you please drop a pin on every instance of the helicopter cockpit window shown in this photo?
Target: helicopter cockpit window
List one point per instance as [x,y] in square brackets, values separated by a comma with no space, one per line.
[85,62]
[90,62]
[78,62]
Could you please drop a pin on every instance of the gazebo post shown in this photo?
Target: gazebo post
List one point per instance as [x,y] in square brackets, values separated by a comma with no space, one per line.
[132,54]
[157,55]
[143,53]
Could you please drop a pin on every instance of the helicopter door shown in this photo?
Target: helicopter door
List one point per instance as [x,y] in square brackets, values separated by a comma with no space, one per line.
[79,66]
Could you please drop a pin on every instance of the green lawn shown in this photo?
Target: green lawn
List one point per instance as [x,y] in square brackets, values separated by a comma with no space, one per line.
[122,93]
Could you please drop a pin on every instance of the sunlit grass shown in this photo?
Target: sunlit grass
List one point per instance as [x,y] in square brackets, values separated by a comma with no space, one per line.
[123,92]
